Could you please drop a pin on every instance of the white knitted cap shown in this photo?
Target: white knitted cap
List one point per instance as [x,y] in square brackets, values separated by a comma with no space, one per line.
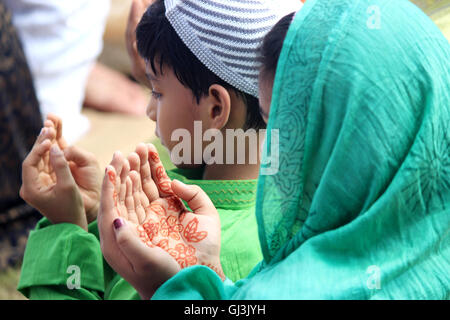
[225,34]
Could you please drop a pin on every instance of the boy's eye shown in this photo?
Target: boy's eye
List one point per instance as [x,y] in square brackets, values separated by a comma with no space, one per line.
[156,95]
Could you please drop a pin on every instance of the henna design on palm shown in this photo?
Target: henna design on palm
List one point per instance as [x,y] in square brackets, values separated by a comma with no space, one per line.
[160,217]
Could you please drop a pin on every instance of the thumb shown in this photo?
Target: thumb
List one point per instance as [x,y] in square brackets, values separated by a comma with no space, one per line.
[131,245]
[195,197]
[60,165]
[152,266]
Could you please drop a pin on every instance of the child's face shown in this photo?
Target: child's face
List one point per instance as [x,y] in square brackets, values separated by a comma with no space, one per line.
[265,94]
[172,106]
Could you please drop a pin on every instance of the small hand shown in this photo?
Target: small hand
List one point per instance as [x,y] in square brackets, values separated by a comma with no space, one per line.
[87,174]
[84,167]
[48,185]
[186,238]
[145,267]
[137,10]
[175,228]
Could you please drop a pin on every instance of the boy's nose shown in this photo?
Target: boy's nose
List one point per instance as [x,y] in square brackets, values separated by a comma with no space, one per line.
[151,111]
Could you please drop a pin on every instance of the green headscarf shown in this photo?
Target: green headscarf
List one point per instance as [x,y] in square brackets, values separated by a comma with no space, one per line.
[360,205]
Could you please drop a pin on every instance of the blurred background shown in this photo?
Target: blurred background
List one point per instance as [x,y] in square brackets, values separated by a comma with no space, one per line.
[115,129]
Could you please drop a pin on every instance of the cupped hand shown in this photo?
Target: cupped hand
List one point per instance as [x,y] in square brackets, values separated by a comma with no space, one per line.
[149,205]
[48,185]
[143,265]
[184,234]
[83,165]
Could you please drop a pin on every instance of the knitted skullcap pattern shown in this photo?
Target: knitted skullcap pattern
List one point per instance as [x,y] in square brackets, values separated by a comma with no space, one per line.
[225,34]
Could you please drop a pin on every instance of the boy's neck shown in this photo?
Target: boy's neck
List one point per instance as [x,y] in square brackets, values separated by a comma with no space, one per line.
[231,172]
[248,170]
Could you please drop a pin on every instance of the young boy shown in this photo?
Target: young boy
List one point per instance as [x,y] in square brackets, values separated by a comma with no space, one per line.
[202,66]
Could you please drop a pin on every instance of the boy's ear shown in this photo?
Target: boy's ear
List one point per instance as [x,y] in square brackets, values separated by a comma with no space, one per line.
[218,106]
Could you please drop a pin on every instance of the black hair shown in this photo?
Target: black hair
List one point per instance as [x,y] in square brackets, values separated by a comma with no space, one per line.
[270,49]
[158,43]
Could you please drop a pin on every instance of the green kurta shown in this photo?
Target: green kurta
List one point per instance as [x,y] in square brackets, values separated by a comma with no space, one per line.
[57,254]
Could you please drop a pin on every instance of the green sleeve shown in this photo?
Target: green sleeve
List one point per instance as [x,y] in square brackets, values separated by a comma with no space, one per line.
[62,261]
[60,293]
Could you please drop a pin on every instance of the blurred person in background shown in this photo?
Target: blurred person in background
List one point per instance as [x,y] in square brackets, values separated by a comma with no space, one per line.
[62,41]
[20,122]
[48,54]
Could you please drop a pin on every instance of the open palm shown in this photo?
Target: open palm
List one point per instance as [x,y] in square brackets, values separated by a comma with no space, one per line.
[145,197]
[146,233]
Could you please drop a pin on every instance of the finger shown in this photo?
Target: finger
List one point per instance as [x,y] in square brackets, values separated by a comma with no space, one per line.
[133,20]
[118,162]
[50,130]
[107,195]
[129,202]
[148,185]
[57,121]
[34,157]
[136,12]
[135,165]
[30,173]
[138,8]
[125,171]
[79,156]
[49,124]
[49,133]
[136,189]
[40,161]
[60,167]
[123,188]
[159,174]
[106,215]
[46,133]
[196,198]
[135,162]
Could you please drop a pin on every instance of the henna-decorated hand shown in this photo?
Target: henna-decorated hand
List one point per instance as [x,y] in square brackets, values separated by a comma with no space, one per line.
[176,224]
[48,185]
[159,219]
[84,167]
[144,267]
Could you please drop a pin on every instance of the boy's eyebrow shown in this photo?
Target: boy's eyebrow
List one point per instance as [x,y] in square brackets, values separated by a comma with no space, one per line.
[150,76]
